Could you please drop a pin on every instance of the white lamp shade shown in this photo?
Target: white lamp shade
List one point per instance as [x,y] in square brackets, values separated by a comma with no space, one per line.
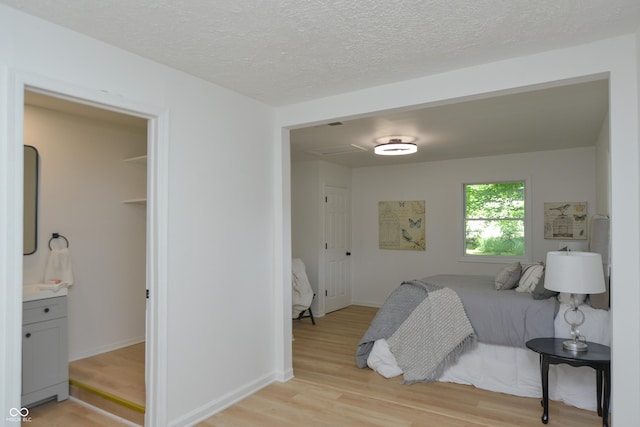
[574,272]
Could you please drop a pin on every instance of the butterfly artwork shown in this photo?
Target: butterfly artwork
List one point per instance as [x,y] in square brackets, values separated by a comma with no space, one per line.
[401,225]
[417,223]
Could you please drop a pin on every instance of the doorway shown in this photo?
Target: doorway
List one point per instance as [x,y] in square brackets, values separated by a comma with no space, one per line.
[93,181]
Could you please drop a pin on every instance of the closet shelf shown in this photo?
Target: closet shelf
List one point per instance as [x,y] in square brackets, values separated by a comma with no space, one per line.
[138,160]
[142,160]
[142,201]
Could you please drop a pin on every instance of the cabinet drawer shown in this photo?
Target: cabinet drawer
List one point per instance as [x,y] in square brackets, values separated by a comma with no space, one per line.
[44,309]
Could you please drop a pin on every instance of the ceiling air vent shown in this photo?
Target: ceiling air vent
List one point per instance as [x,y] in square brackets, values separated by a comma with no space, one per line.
[336,150]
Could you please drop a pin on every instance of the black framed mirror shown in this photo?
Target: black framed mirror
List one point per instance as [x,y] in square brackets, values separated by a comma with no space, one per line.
[30,209]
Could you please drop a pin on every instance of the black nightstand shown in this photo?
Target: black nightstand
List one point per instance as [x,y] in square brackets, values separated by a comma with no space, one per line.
[598,357]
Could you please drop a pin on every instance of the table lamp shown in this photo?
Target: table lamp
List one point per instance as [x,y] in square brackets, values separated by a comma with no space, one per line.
[574,273]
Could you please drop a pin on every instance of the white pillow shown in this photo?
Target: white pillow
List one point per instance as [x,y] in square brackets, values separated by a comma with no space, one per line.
[531,275]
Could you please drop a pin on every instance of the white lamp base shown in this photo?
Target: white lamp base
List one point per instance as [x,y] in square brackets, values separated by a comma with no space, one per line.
[572,345]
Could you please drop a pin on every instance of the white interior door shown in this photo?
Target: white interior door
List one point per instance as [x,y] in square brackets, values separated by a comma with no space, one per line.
[337,236]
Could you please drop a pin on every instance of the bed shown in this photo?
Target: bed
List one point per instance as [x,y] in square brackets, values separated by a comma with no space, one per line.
[493,356]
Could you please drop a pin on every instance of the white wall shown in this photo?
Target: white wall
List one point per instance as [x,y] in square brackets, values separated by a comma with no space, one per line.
[603,172]
[220,290]
[553,176]
[83,180]
[308,182]
[306,227]
[216,275]
[615,57]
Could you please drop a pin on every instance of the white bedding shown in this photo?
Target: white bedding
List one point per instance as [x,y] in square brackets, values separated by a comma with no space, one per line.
[516,370]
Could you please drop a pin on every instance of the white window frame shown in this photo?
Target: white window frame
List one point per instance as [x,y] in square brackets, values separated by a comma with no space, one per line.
[464,257]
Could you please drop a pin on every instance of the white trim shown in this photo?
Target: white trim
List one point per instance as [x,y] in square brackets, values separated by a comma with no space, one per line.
[624,95]
[103,412]
[285,376]
[157,214]
[156,371]
[283,357]
[11,161]
[212,408]
[374,304]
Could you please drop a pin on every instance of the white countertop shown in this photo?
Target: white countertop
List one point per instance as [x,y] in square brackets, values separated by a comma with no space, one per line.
[38,291]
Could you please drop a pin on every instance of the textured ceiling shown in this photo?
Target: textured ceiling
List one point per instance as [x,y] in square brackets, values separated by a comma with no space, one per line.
[286,51]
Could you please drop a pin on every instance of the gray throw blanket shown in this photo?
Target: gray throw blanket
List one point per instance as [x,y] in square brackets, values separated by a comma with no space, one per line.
[426,328]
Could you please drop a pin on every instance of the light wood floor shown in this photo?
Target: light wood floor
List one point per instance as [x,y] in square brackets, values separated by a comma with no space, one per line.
[68,414]
[329,390]
[112,381]
[119,372]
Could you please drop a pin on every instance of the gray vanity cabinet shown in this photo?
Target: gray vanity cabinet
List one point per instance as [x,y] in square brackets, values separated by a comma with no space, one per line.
[45,368]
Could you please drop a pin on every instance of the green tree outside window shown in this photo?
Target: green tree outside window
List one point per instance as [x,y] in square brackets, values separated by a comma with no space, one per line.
[495,219]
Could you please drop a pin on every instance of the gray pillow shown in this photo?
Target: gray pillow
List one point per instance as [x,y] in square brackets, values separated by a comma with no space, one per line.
[509,276]
[540,292]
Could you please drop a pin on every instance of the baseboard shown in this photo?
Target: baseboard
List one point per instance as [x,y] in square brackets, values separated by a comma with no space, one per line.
[105,348]
[212,408]
[367,304]
[285,376]
[105,406]
[105,413]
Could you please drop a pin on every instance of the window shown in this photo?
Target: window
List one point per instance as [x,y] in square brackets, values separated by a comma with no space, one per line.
[494,219]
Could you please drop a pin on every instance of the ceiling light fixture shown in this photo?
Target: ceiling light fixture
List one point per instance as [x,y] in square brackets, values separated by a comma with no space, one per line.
[395,146]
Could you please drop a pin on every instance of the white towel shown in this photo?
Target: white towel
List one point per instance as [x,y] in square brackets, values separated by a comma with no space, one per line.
[58,270]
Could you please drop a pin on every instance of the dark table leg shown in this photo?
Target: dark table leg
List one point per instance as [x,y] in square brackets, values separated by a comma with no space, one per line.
[544,370]
[607,392]
[599,375]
